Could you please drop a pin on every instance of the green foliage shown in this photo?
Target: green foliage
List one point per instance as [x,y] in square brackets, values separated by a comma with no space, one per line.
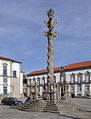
[24,76]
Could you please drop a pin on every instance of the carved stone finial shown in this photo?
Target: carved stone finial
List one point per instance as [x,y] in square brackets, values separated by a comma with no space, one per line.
[50,12]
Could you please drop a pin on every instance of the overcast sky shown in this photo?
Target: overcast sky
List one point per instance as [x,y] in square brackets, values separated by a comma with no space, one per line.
[21,23]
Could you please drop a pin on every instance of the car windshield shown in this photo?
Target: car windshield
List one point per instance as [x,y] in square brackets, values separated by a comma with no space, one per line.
[13,99]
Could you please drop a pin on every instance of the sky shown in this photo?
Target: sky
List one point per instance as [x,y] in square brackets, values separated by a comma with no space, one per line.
[22,38]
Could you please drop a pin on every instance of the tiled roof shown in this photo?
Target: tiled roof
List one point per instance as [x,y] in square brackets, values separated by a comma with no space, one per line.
[5,58]
[71,66]
[43,71]
[78,65]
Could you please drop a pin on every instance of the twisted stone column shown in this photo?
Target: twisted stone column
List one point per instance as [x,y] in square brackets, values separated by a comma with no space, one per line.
[50,24]
[50,60]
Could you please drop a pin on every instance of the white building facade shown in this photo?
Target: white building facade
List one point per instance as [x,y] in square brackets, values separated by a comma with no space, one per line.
[77,77]
[11,78]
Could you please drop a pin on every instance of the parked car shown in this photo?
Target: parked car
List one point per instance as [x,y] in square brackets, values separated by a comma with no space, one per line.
[28,99]
[10,101]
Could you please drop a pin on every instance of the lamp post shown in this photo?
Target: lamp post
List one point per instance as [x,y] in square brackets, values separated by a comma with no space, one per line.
[50,24]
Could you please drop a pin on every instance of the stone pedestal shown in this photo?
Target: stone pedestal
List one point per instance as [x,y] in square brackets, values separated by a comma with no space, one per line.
[50,95]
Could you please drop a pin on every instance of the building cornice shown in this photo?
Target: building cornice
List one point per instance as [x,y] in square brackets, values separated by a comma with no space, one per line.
[8,59]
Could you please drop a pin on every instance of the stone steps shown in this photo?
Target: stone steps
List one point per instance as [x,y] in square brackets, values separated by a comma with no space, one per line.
[26,106]
[51,107]
[34,107]
[18,106]
[38,106]
[33,110]
[52,111]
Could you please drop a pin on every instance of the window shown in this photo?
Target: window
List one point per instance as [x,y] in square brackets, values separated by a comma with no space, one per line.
[38,89]
[29,82]
[14,73]
[87,78]
[79,79]
[62,79]
[43,80]
[72,89]
[87,88]
[34,81]
[5,80]
[42,89]
[38,81]
[5,90]
[79,88]
[5,70]
[72,78]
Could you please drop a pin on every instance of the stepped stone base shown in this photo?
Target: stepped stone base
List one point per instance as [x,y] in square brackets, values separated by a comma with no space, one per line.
[51,107]
[47,106]
[18,106]
[37,106]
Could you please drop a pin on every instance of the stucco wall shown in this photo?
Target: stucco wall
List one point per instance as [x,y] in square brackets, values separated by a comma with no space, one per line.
[14,84]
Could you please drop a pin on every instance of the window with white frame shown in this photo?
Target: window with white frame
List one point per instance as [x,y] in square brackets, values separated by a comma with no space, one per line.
[43,89]
[62,79]
[5,90]
[31,81]
[87,77]
[72,88]
[79,78]
[87,88]
[38,89]
[72,78]
[4,80]
[38,81]
[14,74]
[34,81]
[46,80]
[43,81]
[79,88]
[5,70]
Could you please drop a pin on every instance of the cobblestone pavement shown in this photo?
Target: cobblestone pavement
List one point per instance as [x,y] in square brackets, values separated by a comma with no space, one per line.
[84,113]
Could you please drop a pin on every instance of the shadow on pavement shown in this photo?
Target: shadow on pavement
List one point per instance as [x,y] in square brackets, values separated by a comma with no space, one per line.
[68,116]
[86,111]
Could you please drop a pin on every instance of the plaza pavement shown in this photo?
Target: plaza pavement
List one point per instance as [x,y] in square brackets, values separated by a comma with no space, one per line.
[84,113]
